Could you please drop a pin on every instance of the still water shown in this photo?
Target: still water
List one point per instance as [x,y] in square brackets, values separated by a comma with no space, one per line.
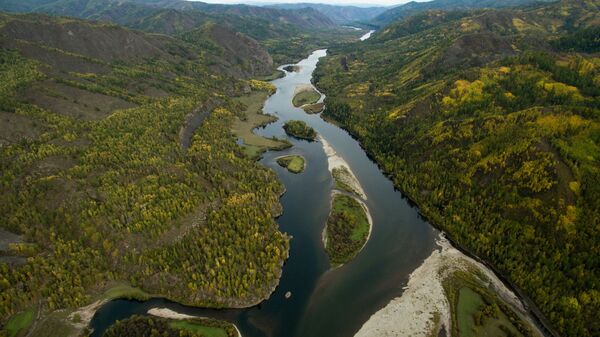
[324,302]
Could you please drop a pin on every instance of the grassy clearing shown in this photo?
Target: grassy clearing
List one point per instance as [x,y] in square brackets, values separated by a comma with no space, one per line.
[54,325]
[19,322]
[306,96]
[347,229]
[294,163]
[126,291]
[469,303]
[250,118]
[207,331]
[477,311]
[478,318]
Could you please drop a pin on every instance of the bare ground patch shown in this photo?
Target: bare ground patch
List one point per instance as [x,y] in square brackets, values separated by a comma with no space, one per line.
[14,128]
[73,102]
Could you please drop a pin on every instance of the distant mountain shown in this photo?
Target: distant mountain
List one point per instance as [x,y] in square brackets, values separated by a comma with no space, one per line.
[413,7]
[339,14]
[229,51]
[273,27]
[126,12]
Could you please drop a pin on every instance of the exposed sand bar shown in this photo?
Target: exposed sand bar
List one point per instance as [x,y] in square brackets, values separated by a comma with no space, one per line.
[412,314]
[303,87]
[170,314]
[334,160]
[85,314]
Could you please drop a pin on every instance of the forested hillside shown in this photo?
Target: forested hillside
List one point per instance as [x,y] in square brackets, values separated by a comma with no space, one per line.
[287,34]
[414,7]
[490,121]
[339,14]
[96,187]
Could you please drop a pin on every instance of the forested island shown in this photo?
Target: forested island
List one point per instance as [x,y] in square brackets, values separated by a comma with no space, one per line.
[347,229]
[300,130]
[293,163]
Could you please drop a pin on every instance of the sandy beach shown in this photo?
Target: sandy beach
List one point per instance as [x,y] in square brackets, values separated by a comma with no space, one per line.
[85,314]
[302,87]
[334,160]
[412,314]
[168,313]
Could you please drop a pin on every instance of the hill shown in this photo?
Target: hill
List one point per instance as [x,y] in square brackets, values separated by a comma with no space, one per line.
[287,34]
[100,194]
[490,121]
[342,15]
[414,7]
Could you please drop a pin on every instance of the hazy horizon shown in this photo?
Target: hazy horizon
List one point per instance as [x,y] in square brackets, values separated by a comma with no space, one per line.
[373,3]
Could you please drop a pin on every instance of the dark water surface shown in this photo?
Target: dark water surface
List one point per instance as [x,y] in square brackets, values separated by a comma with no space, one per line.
[324,302]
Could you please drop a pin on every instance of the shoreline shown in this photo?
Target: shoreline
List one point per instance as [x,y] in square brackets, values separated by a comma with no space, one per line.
[171,314]
[291,155]
[424,297]
[334,192]
[334,161]
[541,322]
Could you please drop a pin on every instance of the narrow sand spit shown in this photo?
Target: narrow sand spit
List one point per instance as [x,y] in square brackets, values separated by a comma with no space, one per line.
[85,314]
[334,160]
[412,314]
[170,314]
[302,87]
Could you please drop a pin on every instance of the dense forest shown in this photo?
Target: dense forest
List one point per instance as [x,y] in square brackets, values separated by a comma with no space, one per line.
[140,326]
[299,129]
[347,229]
[490,121]
[99,188]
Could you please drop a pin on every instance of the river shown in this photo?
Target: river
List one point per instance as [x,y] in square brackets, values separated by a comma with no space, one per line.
[324,302]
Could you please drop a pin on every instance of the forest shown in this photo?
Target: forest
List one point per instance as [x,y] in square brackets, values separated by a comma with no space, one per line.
[347,229]
[143,326]
[104,194]
[300,130]
[489,121]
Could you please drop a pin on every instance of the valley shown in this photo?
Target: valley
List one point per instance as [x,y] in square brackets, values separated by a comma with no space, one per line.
[185,169]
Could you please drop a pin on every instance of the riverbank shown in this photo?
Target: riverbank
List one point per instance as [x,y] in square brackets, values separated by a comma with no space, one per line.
[334,161]
[251,118]
[173,315]
[424,308]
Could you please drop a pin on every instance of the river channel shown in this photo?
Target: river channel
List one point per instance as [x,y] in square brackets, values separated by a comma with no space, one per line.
[324,301]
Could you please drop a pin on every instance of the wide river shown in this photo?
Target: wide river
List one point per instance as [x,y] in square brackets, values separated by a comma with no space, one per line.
[324,302]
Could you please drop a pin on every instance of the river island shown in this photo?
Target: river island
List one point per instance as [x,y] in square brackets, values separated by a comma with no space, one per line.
[293,163]
[300,130]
